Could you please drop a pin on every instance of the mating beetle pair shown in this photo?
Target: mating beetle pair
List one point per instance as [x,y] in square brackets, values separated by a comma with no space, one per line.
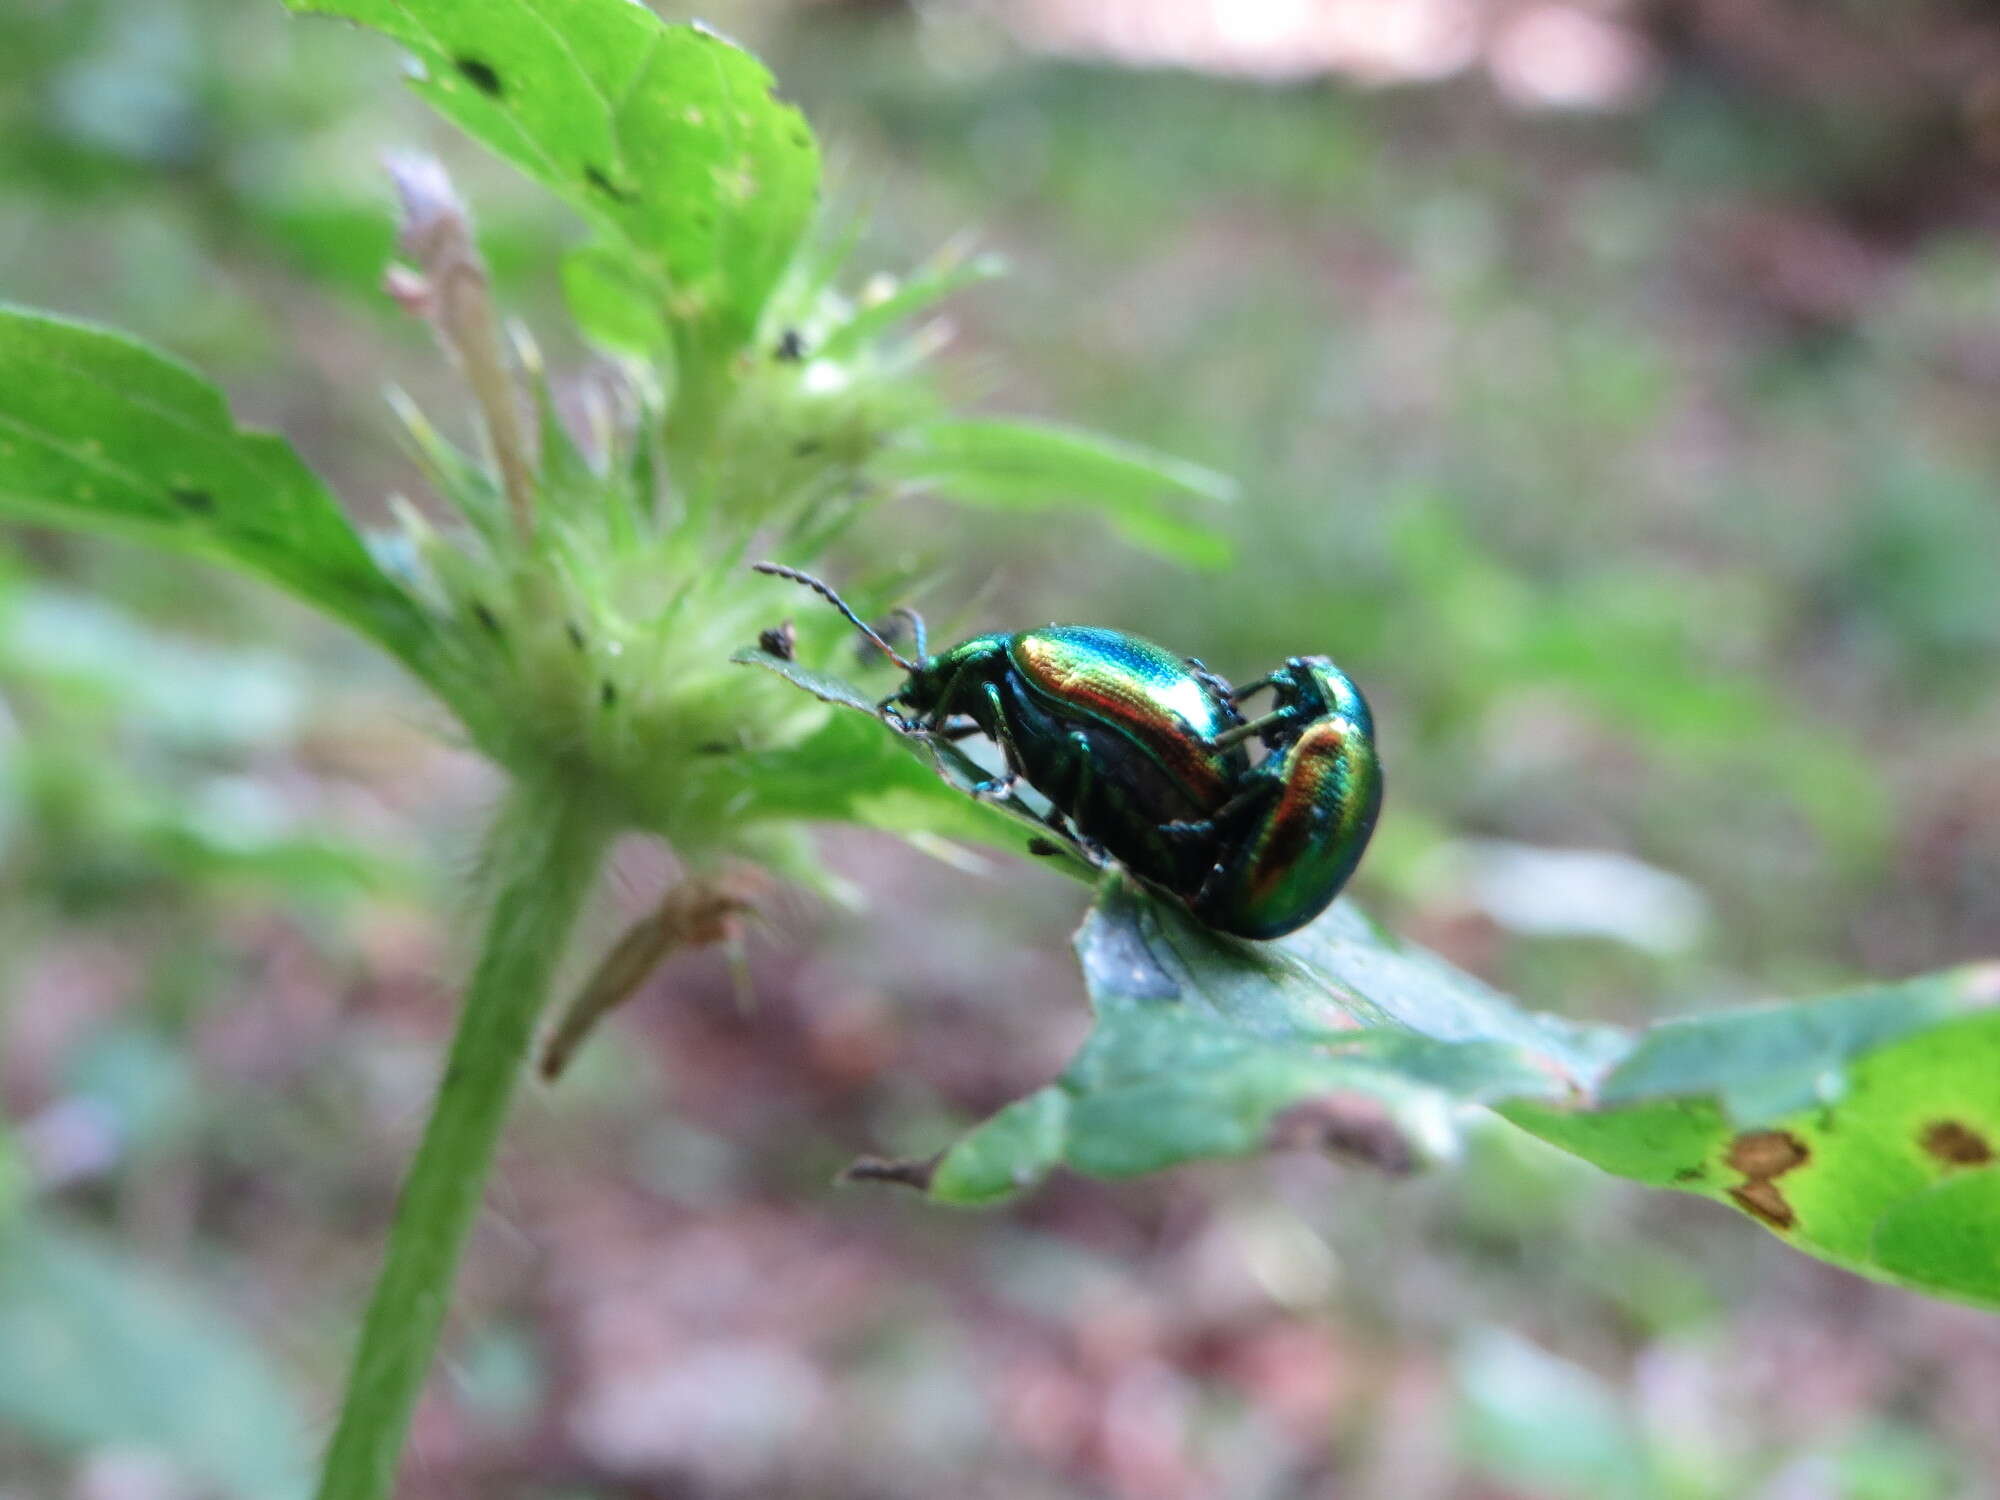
[1146,756]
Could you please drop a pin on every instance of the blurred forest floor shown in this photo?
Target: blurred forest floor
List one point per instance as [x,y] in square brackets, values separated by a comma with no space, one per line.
[1638,460]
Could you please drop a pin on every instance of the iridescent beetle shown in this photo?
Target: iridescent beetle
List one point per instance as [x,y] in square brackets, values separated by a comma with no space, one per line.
[1145,755]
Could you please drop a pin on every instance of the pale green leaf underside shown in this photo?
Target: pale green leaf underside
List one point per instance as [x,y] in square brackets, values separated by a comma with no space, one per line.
[1206,1045]
[1859,1127]
[98,431]
[668,138]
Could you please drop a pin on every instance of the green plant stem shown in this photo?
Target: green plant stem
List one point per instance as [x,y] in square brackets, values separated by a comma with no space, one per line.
[542,857]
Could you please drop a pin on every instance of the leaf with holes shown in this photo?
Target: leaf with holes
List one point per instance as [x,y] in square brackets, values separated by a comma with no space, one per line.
[669,138]
[96,430]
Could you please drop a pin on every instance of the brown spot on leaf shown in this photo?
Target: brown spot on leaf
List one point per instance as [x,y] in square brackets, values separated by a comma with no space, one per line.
[1351,1123]
[1765,1201]
[1957,1144]
[1763,1154]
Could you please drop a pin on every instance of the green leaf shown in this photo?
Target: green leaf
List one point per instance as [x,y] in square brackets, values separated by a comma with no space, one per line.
[1863,1128]
[1028,466]
[928,286]
[99,431]
[669,138]
[612,304]
[1209,1046]
[102,1349]
[1876,1113]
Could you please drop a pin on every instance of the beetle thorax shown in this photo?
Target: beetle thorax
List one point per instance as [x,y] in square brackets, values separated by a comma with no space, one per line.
[954,674]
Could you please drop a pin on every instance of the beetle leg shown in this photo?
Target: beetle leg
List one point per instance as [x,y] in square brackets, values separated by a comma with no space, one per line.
[1205,893]
[990,691]
[1060,825]
[1280,865]
[1253,728]
[892,715]
[1269,679]
[1001,786]
[1201,828]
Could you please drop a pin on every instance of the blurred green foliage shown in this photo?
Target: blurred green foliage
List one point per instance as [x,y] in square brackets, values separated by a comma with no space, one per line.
[1627,556]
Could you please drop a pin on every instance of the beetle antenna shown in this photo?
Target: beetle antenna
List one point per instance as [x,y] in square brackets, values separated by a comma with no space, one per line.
[916,623]
[825,591]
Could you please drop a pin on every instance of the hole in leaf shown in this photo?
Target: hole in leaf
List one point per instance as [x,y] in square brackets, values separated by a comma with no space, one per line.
[596,178]
[481,75]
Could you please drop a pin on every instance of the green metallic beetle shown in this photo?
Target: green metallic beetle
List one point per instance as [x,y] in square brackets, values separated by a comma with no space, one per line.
[1145,755]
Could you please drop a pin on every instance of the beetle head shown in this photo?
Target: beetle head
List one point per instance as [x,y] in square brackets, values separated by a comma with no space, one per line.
[1314,688]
